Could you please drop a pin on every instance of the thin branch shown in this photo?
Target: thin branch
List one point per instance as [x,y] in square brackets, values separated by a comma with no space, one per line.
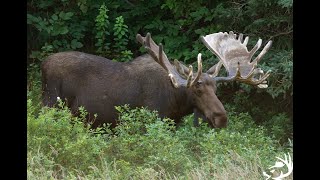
[279,34]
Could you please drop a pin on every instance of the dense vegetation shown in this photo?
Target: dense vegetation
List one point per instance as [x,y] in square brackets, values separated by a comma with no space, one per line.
[144,146]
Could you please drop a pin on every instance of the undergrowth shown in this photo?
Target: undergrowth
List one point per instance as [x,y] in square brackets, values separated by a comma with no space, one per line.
[144,146]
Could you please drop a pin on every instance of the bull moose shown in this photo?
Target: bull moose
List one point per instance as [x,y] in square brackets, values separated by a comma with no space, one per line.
[150,80]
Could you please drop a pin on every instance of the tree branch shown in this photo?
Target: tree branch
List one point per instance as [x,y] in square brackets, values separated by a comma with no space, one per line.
[279,34]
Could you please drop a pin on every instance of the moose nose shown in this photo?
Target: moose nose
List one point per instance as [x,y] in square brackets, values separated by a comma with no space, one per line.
[221,121]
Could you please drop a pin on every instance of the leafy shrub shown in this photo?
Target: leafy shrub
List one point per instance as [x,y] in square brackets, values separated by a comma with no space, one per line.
[142,138]
[120,34]
[59,30]
[280,127]
[34,87]
[102,23]
[143,141]
[121,40]
[66,142]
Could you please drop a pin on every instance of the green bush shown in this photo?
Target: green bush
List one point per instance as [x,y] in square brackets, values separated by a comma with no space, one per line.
[280,127]
[102,23]
[63,137]
[143,139]
[142,142]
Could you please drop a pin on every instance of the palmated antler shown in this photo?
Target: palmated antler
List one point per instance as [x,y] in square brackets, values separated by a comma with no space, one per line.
[235,57]
[179,74]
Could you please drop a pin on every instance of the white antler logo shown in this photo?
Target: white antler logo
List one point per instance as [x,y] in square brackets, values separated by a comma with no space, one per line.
[279,164]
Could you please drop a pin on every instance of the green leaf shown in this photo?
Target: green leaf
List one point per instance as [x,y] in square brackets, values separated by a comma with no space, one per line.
[62,14]
[68,15]
[64,30]
[54,17]
[83,8]
[35,54]
[49,29]
[65,16]
[149,26]
[199,31]
[56,44]
[30,19]
[76,44]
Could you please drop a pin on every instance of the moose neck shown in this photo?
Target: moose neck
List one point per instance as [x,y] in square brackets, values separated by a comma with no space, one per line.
[181,103]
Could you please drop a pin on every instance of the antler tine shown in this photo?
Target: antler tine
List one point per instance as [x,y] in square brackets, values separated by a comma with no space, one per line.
[148,36]
[262,53]
[146,42]
[190,76]
[232,35]
[257,82]
[240,37]
[199,69]
[251,73]
[258,58]
[182,70]
[161,57]
[238,74]
[245,42]
[214,70]
[255,48]
[139,38]
[261,80]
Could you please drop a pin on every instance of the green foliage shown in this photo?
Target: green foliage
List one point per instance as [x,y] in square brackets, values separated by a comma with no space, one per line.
[120,34]
[46,50]
[125,56]
[63,137]
[34,87]
[102,23]
[281,80]
[121,40]
[54,30]
[280,127]
[285,3]
[142,141]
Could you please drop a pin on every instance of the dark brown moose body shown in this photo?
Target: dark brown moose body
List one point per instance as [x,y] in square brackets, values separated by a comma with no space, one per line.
[151,80]
[99,84]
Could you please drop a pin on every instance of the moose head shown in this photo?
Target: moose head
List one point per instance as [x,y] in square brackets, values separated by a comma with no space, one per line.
[201,86]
